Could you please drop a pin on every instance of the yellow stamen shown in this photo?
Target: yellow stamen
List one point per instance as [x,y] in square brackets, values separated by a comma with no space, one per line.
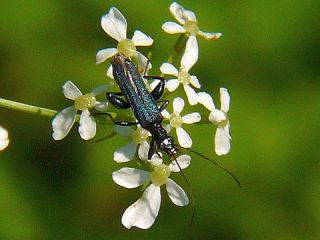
[85,101]
[176,121]
[126,47]
[184,77]
[160,175]
[140,135]
[191,27]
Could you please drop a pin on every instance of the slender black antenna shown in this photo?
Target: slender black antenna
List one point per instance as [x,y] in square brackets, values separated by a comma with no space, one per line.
[190,190]
[213,162]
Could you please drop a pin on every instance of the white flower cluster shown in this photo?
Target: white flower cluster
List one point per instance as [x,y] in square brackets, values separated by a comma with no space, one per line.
[144,211]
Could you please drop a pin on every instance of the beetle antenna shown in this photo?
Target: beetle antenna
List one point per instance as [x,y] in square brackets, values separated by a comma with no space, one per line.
[213,162]
[190,190]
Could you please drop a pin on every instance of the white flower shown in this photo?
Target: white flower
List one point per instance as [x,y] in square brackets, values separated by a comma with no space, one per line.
[183,77]
[4,138]
[176,121]
[64,120]
[220,118]
[189,27]
[115,25]
[138,137]
[144,211]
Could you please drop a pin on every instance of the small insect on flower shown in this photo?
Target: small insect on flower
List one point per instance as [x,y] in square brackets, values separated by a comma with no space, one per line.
[115,25]
[143,103]
[176,121]
[144,211]
[219,118]
[4,138]
[189,27]
[145,109]
[64,120]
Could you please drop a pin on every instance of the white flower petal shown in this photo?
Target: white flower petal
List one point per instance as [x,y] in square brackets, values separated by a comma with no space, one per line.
[167,127]
[191,54]
[181,14]
[190,16]
[195,82]
[176,193]
[172,84]
[227,129]
[183,138]
[104,54]
[225,99]
[63,122]
[191,94]
[191,118]
[101,106]
[165,113]
[222,142]
[142,61]
[177,11]
[178,105]
[71,91]
[123,130]
[102,89]
[217,116]
[126,153]
[209,35]
[156,159]
[154,84]
[172,28]
[4,140]
[130,177]
[144,211]
[87,127]
[114,24]
[184,162]
[141,39]
[3,144]
[110,72]
[143,151]
[206,100]
[3,133]
[169,69]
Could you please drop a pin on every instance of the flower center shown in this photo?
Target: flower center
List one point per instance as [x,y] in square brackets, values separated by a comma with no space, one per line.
[85,101]
[140,135]
[184,77]
[160,175]
[224,122]
[176,121]
[126,47]
[221,119]
[191,27]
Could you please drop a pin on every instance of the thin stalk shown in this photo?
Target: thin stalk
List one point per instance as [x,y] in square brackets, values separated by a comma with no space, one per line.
[22,107]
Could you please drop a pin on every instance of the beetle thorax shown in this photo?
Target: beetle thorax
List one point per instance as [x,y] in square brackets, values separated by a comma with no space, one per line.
[163,140]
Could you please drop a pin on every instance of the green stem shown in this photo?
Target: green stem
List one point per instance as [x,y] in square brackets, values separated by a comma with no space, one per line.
[22,107]
[178,48]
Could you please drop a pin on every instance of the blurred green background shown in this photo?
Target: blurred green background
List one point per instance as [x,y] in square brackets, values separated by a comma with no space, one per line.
[268,58]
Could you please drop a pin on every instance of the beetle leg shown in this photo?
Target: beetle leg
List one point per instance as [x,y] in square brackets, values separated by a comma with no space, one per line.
[117,101]
[164,105]
[157,92]
[121,123]
[151,149]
